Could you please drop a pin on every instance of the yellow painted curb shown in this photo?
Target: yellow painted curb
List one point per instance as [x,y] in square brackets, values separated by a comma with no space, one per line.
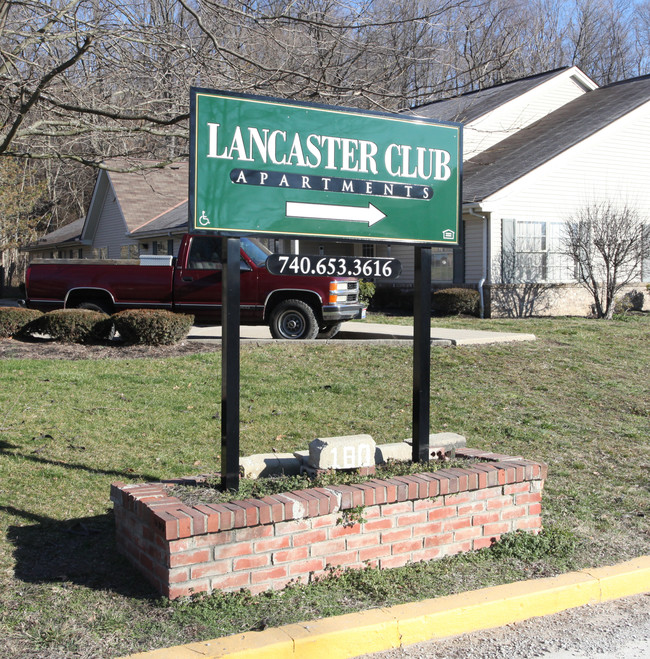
[382,629]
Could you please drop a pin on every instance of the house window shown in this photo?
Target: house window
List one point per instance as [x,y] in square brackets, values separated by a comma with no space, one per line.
[532,252]
[129,252]
[368,250]
[442,264]
[163,247]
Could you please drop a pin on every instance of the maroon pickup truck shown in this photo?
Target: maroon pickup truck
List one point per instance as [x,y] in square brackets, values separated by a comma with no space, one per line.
[294,307]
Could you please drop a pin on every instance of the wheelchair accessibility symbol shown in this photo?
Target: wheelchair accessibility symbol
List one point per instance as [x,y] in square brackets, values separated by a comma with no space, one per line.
[204,220]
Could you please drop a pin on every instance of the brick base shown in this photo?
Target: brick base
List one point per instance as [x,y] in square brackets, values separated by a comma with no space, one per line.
[296,536]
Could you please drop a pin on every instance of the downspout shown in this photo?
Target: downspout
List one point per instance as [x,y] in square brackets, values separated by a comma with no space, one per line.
[483,217]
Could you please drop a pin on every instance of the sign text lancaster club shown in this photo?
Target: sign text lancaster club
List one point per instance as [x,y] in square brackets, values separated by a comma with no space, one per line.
[275,167]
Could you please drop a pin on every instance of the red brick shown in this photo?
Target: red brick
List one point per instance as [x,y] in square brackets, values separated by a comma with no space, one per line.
[499,503]
[393,561]
[428,528]
[516,488]
[401,489]
[329,547]
[309,537]
[412,518]
[325,521]
[167,524]
[277,508]
[272,544]
[528,497]
[309,502]
[463,478]
[371,553]
[496,529]
[396,536]
[364,540]
[534,508]
[230,582]
[458,548]
[528,523]
[468,534]
[253,533]
[212,517]
[288,555]
[239,515]
[214,539]
[174,592]
[438,539]
[250,562]
[212,569]
[457,499]
[471,508]
[412,486]
[427,504]
[481,543]
[185,544]
[441,513]
[488,493]
[344,530]
[327,501]
[456,523]
[426,554]
[343,558]
[485,518]
[513,513]
[226,516]
[443,483]
[378,524]
[292,526]
[233,550]
[312,565]
[262,576]
[406,546]
[189,557]
[397,508]
[252,512]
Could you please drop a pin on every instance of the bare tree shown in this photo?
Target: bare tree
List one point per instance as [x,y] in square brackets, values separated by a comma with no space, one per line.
[608,245]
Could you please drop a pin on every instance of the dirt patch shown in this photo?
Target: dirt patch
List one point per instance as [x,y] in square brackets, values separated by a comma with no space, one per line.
[46,349]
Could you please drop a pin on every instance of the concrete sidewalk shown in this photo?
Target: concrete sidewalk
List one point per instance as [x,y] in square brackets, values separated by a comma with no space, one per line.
[376,333]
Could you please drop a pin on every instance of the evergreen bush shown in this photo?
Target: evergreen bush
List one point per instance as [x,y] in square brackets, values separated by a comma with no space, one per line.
[455,301]
[73,325]
[152,326]
[14,320]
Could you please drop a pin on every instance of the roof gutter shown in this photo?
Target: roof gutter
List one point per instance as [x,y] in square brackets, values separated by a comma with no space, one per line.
[483,216]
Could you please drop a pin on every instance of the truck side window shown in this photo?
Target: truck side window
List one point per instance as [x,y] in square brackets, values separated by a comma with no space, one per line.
[205,253]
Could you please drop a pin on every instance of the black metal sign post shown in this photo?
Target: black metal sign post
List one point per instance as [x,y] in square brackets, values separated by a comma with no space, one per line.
[421,354]
[230,296]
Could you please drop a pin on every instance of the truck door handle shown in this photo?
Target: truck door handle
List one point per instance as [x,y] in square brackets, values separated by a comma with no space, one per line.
[187,278]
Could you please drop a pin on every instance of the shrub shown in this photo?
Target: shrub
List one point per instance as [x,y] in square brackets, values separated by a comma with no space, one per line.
[152,326]
[73,325]
[631,301]
[452,301]
[366,292]
[13,320]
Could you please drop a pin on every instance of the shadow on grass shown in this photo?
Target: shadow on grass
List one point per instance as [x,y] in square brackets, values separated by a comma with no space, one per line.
[81,551]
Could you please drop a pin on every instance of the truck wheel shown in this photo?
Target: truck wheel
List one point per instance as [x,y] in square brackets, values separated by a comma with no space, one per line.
[329,331]
[293,319]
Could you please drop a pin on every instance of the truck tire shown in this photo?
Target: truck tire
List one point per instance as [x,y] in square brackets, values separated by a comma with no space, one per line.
[293,319]
[94,306]
[329,331]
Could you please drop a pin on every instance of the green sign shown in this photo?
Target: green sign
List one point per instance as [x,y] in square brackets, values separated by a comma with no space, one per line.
[277,167]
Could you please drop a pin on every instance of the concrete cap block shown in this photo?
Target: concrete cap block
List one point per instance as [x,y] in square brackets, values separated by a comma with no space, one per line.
[400,451]
[445,440]
[269,464]
[346,452]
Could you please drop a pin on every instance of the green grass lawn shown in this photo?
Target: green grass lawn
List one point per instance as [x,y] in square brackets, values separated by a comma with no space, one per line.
[578,398]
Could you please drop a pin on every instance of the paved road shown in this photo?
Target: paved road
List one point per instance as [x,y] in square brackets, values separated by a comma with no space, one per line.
[614,630]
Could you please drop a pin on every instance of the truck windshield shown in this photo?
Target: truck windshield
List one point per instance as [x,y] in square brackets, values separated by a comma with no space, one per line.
[255,251]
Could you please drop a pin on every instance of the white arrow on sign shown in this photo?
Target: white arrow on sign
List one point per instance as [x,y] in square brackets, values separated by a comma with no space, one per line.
[370,214]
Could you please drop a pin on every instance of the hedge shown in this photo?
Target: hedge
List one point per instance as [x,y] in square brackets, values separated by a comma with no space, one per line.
[73,325]
[454,301]
[14,320]
[152,326]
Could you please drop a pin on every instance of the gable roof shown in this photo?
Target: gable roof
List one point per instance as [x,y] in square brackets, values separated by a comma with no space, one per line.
[174,221]
[148,193]
[70,234]
[531,147]
[471,106]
